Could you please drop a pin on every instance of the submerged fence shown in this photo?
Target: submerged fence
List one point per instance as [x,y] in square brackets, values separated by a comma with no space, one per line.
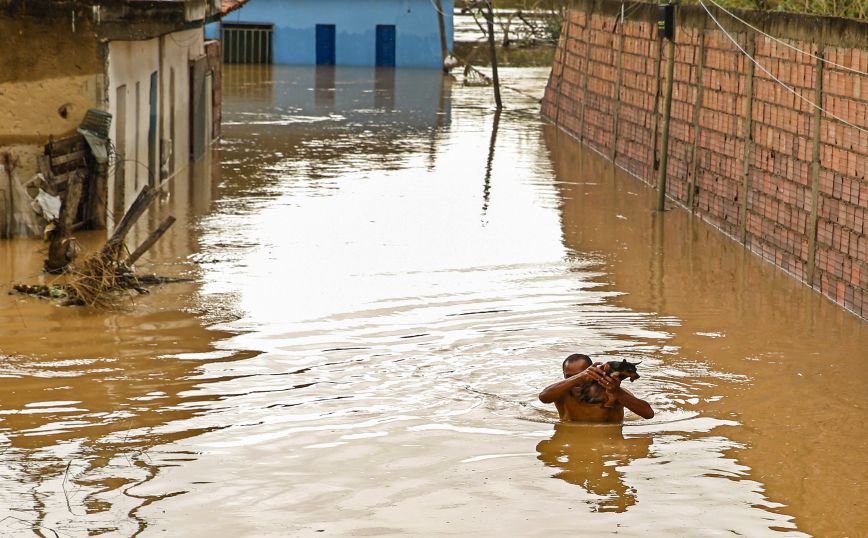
[767,134]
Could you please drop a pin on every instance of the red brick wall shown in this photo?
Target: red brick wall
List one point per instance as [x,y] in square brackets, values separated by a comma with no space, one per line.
[771,213]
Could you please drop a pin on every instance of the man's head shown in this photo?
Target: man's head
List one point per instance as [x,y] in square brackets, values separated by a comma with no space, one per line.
[576,363]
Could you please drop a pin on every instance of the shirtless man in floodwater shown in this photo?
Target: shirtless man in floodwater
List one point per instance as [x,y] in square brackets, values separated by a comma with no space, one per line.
[579,370]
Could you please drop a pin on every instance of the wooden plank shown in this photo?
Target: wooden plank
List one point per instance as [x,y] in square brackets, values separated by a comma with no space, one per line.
[42,163]
[61,181]
[60,160]
[68,144]
[44,167]
[136,209]
[149,242]
[57,251]
[98,194]
[80,164]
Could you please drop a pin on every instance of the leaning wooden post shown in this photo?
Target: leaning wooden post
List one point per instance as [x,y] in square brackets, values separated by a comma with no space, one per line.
[489,17]
[667,109]
[149,242]
[138,207]
[815,168]
[748,141]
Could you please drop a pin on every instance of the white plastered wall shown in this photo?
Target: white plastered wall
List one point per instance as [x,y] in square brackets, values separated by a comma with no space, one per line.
[131,63]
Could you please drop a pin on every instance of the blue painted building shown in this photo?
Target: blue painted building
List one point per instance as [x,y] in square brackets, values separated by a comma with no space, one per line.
[389,33]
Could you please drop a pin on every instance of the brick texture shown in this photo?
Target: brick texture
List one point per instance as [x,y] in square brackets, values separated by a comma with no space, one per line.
[770,206]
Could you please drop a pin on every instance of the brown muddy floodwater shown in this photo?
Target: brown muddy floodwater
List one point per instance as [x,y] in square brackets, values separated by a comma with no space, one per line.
[382,285]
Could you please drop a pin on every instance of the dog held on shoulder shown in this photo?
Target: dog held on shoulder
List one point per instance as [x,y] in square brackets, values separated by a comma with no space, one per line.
[592,392]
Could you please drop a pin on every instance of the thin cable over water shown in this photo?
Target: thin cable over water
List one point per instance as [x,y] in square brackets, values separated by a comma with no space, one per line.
[776,79]
[784,43]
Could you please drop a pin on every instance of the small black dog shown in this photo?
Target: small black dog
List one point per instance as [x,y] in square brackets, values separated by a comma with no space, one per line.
[595,393]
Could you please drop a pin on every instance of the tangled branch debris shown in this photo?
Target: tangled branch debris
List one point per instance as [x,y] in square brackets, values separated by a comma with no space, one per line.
[97,280]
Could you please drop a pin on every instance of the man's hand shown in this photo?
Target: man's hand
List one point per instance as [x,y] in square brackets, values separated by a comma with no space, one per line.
[610,383]
[592,373]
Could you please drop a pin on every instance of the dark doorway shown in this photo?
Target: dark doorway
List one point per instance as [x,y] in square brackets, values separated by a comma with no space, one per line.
[120,141]
[385,45]
[153,165]
[198,115]
[325,44]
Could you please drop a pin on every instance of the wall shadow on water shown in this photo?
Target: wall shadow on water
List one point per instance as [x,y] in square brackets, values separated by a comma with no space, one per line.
[740,316]
[589,456]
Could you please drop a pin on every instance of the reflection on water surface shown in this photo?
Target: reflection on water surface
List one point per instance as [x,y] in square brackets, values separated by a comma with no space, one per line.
[386,276]
[590,456]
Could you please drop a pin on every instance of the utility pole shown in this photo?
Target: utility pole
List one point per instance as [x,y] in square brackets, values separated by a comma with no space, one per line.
[489,17]
[441,24]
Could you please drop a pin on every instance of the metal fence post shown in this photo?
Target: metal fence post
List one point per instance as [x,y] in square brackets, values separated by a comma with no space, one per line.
[667,110]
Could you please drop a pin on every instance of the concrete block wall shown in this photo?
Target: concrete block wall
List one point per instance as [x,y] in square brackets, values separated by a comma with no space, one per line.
[741,145]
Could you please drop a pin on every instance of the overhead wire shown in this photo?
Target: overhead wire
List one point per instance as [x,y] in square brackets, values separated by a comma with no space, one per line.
[776,79]
[784,43]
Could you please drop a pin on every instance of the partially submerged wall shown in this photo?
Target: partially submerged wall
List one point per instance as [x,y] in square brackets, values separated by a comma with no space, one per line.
[46,86]
[745,153]
[136,69]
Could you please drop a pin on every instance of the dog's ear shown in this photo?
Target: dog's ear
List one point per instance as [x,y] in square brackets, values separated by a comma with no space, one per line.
[624,362]
[638,363]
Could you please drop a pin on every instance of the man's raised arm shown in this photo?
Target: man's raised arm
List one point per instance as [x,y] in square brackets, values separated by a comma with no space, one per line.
[556,391]
[626,398]
[634,404]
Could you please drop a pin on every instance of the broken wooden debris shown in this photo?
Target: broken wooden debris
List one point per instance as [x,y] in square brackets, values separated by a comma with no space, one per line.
[59,253]
[136,210]
[95,281]
[149,242]
[76,294]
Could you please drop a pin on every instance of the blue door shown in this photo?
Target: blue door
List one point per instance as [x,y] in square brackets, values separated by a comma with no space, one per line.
[385,45]
[325,44]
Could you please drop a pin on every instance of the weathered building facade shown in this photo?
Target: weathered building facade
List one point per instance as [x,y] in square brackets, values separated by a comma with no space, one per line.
[385,33]
[143,63]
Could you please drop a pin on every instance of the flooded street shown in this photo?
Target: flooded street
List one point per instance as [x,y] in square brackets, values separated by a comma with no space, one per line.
[385,273]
